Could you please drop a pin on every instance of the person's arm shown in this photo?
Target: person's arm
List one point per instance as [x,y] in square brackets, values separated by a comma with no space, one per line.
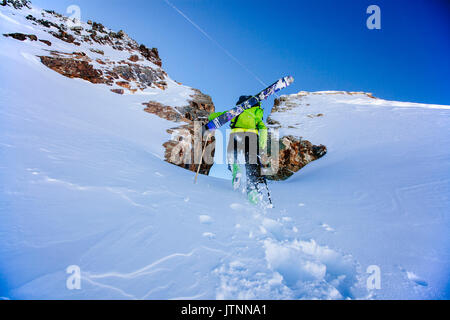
[262,131]
[214,115]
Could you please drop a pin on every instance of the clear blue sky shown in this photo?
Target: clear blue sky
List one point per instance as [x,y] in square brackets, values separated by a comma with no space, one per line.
[324,44]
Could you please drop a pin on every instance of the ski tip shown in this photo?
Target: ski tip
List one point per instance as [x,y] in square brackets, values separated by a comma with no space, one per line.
[290,79]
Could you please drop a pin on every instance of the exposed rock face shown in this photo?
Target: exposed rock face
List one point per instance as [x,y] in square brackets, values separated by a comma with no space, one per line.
[74,68]
[102,56]
[162,111]
[21,36]
[140,75]
[150,54]
[46,23]
[16,4]
[118,91]
[64,36]
[79,65]
[199,108]
[134,58]
[294,154]
[101,52]
[46,42]
[184,149]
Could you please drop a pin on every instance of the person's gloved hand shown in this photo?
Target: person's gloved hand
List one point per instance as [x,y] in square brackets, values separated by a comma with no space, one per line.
[262,140]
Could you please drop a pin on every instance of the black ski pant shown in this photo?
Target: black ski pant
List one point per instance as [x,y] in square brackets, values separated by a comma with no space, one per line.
[246,143]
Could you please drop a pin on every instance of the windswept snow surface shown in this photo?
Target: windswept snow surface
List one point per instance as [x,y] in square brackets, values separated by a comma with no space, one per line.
[83,183]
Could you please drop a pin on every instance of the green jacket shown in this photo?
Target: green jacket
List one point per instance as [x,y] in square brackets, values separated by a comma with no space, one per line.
[251,120]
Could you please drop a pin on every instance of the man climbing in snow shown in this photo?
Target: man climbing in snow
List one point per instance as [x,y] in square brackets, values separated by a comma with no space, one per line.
[248,138]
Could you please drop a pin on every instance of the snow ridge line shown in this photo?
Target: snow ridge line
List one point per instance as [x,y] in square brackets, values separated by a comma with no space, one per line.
[145,269]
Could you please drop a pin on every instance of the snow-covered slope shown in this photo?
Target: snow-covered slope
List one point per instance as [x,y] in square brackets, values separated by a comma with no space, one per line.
[382,192]
[83,184]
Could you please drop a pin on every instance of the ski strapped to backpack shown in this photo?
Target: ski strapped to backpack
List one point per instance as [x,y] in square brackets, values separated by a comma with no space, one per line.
[233,113]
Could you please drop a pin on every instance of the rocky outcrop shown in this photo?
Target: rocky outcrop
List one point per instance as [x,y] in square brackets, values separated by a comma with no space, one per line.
[74,68]
[91,33]
[185,147]
[118,91]
[125,74]
[46,23]
[21,36]
[46,42]
[16,4]
[185,150]
[101,56]
[163,111]
[294,154]
[199,108]
[151,55]
[134,70]
[134,58]
[142,76]
[64,36]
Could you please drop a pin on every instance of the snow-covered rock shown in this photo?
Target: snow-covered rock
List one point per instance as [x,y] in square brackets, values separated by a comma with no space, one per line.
[293,154]
[17,4]
[94,53]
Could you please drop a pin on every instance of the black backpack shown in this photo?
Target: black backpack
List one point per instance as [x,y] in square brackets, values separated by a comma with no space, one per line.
[234,120]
